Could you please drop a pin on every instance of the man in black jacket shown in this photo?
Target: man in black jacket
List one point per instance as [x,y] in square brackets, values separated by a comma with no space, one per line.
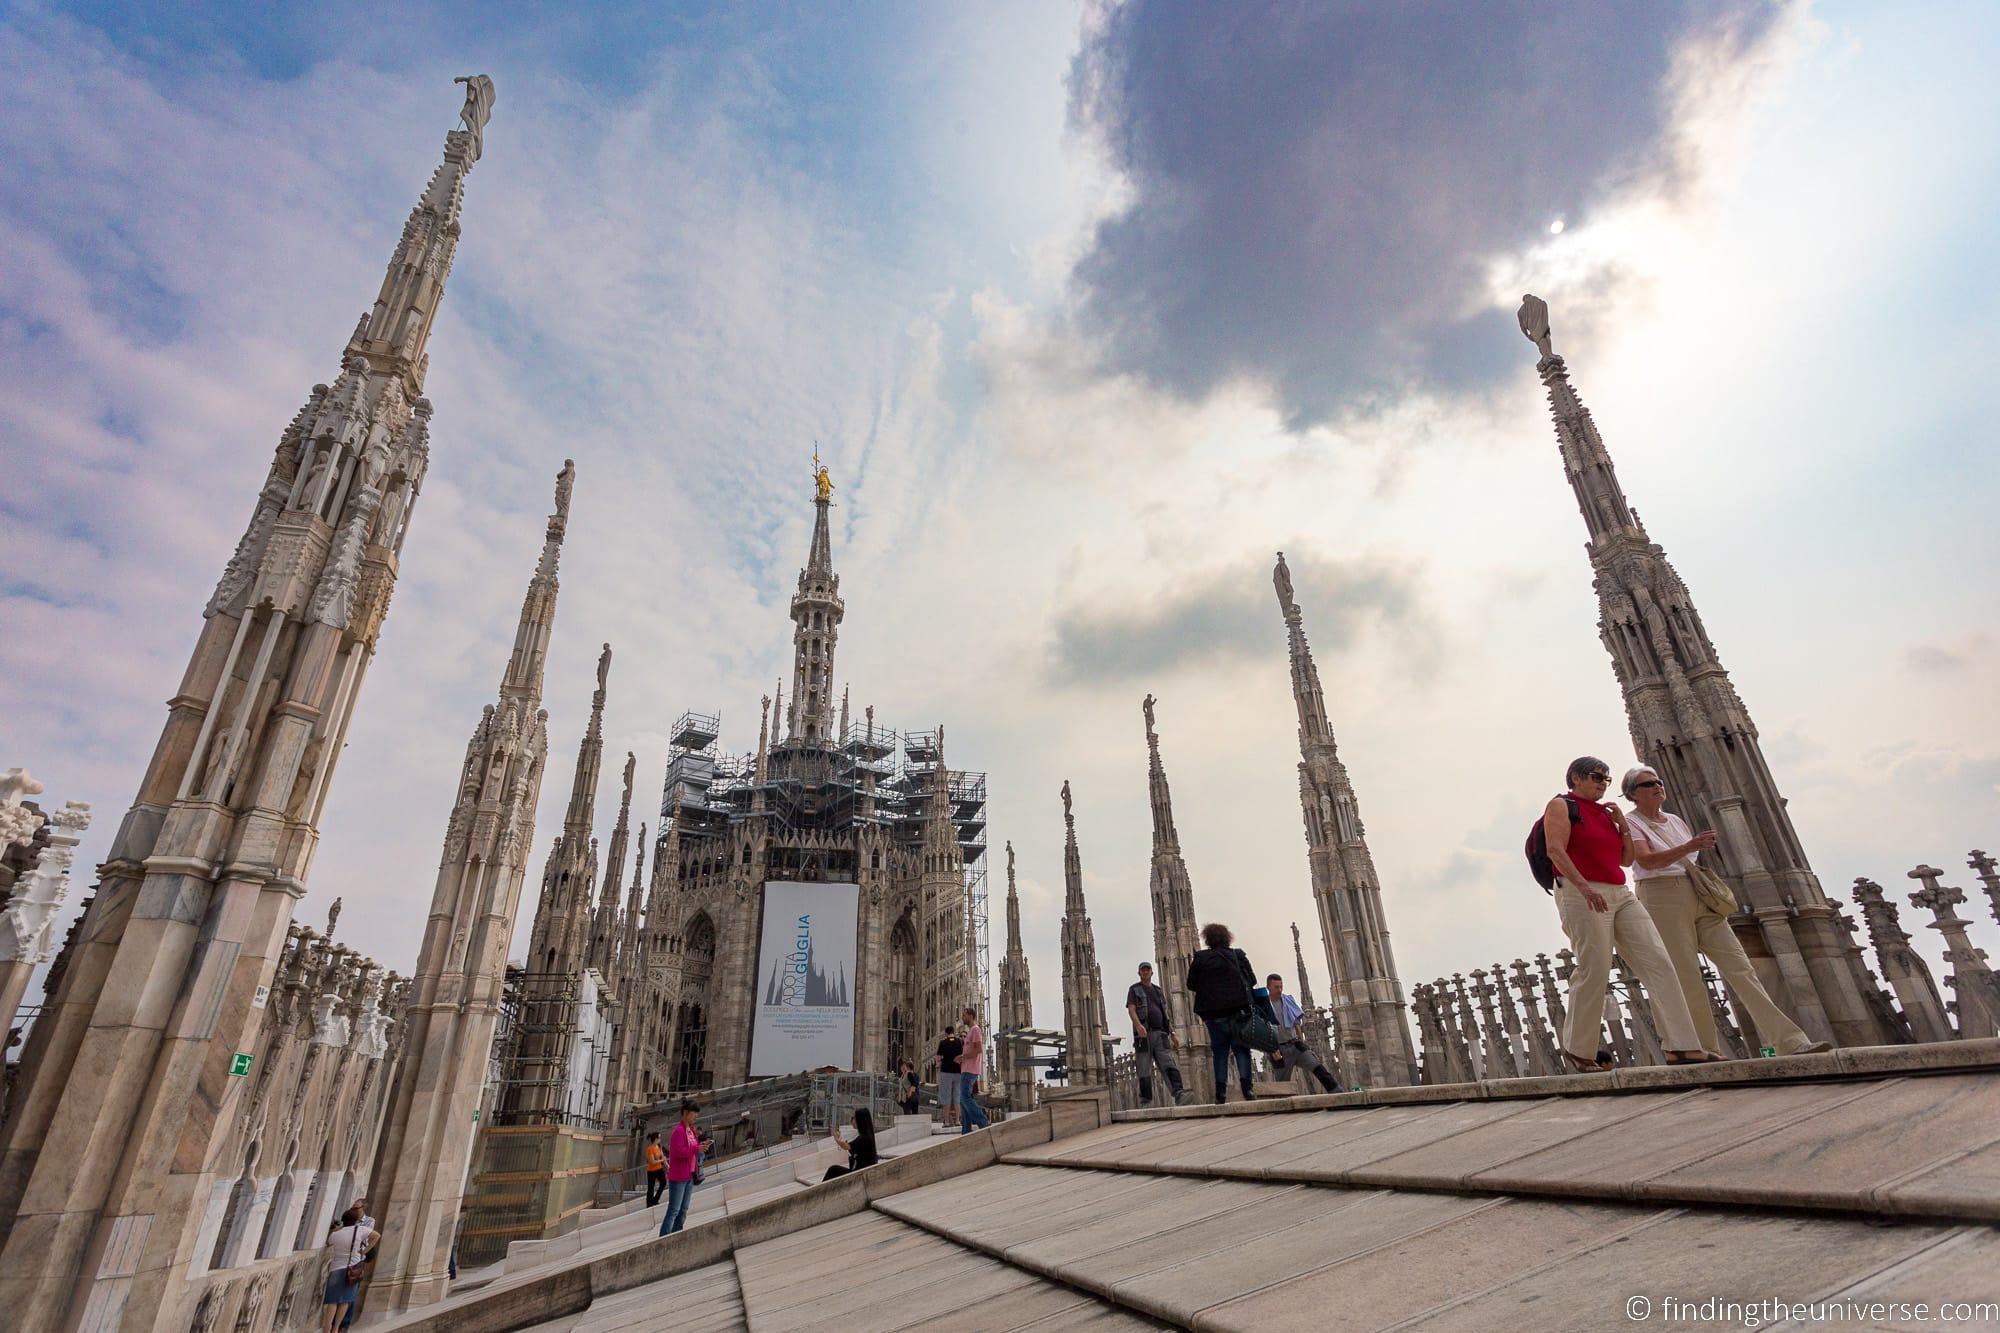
[1223,985]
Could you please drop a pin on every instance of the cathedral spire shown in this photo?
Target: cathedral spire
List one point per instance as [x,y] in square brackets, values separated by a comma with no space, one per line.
[1082,981]
[195,897]
[607,927]
[1688,723]
[816,613]
[1299,962]
[589,759]
[1016,1006]
[1370,1019]
[1176,936]
[530,658]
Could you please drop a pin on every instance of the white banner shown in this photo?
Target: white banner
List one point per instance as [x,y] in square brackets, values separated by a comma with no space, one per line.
[805,979]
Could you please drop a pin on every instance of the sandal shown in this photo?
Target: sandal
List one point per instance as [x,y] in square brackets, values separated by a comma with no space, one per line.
[1579,1065]
[1692,1058]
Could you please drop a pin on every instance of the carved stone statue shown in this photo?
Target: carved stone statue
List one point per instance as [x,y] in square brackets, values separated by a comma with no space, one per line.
[1534,317]
[1065,796]
[1281,577]
[1148,707]
[478,108]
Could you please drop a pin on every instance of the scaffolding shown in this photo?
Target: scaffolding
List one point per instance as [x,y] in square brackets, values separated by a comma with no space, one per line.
[872,774]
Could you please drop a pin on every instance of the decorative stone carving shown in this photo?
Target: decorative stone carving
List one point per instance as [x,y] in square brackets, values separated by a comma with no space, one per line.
[31,912]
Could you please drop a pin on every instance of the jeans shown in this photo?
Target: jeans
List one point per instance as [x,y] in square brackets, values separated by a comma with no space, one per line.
[656,1185]
[1221,1043]
[679,1192]
[969,1107]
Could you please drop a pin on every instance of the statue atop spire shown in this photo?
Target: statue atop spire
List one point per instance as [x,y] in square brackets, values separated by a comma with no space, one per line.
[1534,320]
[822,482]
[478,109]
[1082,982]
[1176,935]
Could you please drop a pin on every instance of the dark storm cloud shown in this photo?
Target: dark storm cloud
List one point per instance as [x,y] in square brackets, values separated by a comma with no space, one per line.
[1318,187]
[1230,616]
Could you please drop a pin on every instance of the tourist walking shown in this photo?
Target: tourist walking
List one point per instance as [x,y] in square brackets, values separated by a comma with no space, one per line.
[1152,1037]
[1690,908]
[1589,845]
[684,1149]
[971,1064]
[656,1169]
[1222,982]
[948,1049]
[861,1153]
[1292,1052]
[348,1248]
[907,1088]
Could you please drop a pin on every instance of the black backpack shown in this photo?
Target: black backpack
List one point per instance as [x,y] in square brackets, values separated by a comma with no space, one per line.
[1539,865]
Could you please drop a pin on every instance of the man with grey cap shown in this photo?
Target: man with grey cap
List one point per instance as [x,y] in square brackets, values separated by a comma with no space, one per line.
[1152,1036]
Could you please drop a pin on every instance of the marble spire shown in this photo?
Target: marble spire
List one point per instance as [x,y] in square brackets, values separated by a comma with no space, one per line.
[1688,723]
[1082,982]
[1016,1005]
[1176,933]
[1370,1018]
[455,994]
[191,913]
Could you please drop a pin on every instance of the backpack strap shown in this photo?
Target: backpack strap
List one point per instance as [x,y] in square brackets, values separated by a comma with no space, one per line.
[1575,815]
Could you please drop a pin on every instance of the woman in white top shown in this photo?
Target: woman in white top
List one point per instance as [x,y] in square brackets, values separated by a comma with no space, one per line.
[1663,848]
[346,1247]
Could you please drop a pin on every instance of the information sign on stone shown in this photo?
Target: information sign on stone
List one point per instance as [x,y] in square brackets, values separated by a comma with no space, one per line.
[239,1064]
[805,972]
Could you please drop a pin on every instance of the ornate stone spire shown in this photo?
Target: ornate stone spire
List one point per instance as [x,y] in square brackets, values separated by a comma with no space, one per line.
[1083,983]
[1688,723]
[1176,935]
[816,613]
[1016,1005]
[198,889]
[626,972]
[1299,964]
[560,942]
[1972,980]
[608,926]
[1371,1022]
[32,907]
[455,993]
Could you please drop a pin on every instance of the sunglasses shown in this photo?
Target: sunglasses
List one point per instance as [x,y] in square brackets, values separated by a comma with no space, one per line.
[1597,777]
[1651,782]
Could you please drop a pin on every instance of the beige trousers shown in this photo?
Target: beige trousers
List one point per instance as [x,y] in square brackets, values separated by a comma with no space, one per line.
[1627,929]
[1690,929]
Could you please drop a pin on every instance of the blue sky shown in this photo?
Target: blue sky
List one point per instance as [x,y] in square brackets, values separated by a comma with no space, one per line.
[1090,311]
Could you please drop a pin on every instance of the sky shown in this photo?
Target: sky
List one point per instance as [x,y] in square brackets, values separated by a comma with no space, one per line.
[1090,311]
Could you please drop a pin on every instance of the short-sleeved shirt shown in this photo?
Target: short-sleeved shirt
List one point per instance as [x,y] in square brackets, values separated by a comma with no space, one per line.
[948,1052]
[1152,1004]
[656,1159]
[1661,835]
[974,1062]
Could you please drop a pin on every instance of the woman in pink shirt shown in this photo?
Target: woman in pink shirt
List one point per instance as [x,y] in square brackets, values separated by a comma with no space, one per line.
[684,1149]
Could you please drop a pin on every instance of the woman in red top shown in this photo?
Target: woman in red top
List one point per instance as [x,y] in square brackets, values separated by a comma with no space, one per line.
[684,1149]
[1590,849]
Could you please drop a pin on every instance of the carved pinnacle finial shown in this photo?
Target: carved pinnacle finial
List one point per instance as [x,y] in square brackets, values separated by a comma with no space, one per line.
[1281,578]
[332,915]
[1147,707]
[1068,816]
[1534,319]
[478,108]
[565,483]
[1010,865]
[604,669]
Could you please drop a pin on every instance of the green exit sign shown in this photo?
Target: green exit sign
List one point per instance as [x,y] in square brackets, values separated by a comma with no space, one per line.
[239,1064]
[475,1115]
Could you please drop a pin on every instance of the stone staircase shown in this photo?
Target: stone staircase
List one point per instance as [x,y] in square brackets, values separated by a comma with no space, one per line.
[1859,1177]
